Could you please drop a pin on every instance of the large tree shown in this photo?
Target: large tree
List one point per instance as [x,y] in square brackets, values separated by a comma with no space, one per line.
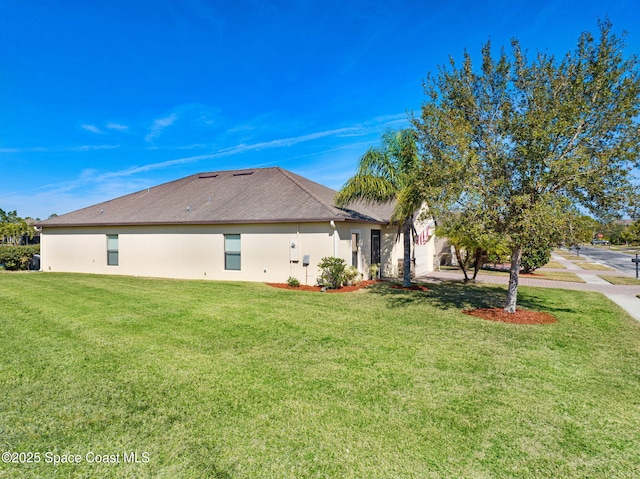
[526,141]
[388,173]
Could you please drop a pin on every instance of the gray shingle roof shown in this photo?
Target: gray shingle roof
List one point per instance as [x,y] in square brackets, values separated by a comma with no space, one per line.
[259,195]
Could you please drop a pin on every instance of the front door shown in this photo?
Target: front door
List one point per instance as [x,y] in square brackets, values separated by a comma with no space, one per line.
[375,246]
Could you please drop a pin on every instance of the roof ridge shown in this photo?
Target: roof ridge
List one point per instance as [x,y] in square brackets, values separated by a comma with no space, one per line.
[288,175]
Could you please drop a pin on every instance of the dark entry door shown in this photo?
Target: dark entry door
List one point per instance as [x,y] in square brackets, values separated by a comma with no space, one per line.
[375,246]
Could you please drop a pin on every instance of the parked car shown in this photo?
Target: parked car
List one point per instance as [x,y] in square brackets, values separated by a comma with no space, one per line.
[599,242]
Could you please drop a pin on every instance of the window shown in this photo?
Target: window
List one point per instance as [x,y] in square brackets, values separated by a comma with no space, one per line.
[232,252]
[355,249]
[112,250]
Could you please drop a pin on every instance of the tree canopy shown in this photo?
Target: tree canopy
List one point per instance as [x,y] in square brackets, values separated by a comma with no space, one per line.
[522,143]
[13,228]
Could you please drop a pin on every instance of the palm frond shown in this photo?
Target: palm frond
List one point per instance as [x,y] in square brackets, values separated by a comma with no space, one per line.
[366,188]
[408,201]
[376,162]
[388,173]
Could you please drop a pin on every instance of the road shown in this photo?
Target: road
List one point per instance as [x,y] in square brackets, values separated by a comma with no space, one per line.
[620,261]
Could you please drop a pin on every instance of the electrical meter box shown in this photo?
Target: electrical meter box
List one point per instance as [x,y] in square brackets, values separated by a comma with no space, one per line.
[294,251]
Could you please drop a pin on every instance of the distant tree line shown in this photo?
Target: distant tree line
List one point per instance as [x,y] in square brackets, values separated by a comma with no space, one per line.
[15,234]
[14,230]
[619,233]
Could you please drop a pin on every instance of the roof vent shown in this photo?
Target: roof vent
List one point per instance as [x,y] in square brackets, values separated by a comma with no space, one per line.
[208,175]
[244,173]
[188,208]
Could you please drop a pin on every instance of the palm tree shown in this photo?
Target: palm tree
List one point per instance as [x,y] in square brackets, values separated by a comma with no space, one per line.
[389,173]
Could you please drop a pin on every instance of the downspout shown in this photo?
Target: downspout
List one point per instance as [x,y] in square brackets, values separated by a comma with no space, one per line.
[335,238]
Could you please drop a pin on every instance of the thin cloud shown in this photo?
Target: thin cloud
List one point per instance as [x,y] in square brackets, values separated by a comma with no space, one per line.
[117,127]
[57,149]
[92,147]
[92,129]
[159,125]
[37,149]
[360,130]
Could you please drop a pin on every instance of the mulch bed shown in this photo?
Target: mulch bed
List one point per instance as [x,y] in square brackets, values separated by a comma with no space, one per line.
[347,289]
[344,289]
[521,316]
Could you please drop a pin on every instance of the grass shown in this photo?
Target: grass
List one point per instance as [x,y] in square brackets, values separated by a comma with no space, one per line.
[594,266]
[236,380]
[570,256]
[554,264]
[621,280]
[626,249]
[542,274]
[558,276]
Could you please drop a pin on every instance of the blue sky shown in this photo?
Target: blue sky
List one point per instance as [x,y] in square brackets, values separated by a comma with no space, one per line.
[103,98]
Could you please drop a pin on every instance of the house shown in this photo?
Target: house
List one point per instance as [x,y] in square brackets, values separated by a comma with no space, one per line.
[262,224]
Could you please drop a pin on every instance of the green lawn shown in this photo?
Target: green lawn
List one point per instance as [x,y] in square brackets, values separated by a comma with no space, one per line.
[570,256]
[554,264]
[593,266]
[236,380]
[541,274]
[621,280]
[558,276]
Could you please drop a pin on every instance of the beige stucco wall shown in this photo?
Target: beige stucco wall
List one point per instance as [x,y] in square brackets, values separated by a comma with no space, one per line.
[422,255]
[197,251]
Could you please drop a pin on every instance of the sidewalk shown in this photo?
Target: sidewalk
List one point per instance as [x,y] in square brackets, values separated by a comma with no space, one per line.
[623,295]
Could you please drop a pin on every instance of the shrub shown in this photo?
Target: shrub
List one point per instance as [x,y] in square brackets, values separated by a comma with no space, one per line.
[293,282]
[17,257]
[373,271]
[534,257]
[332,272]
[352,275]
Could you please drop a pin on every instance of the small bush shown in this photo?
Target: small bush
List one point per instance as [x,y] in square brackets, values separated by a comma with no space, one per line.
[293,282]
[17,257]
[332,272]
[535,257]
[352,275]
[373,271]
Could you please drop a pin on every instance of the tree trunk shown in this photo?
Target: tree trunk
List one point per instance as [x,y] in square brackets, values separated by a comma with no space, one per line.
[462,263]
[480,258]
[406,264]
[514,274]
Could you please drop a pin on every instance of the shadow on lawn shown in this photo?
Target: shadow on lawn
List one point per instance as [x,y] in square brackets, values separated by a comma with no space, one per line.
[456,295]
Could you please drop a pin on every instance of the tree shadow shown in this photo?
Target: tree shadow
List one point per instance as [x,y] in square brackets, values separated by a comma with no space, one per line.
[446,295]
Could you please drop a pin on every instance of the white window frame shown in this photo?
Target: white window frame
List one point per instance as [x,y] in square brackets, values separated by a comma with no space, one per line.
[232,253]
[113,252]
